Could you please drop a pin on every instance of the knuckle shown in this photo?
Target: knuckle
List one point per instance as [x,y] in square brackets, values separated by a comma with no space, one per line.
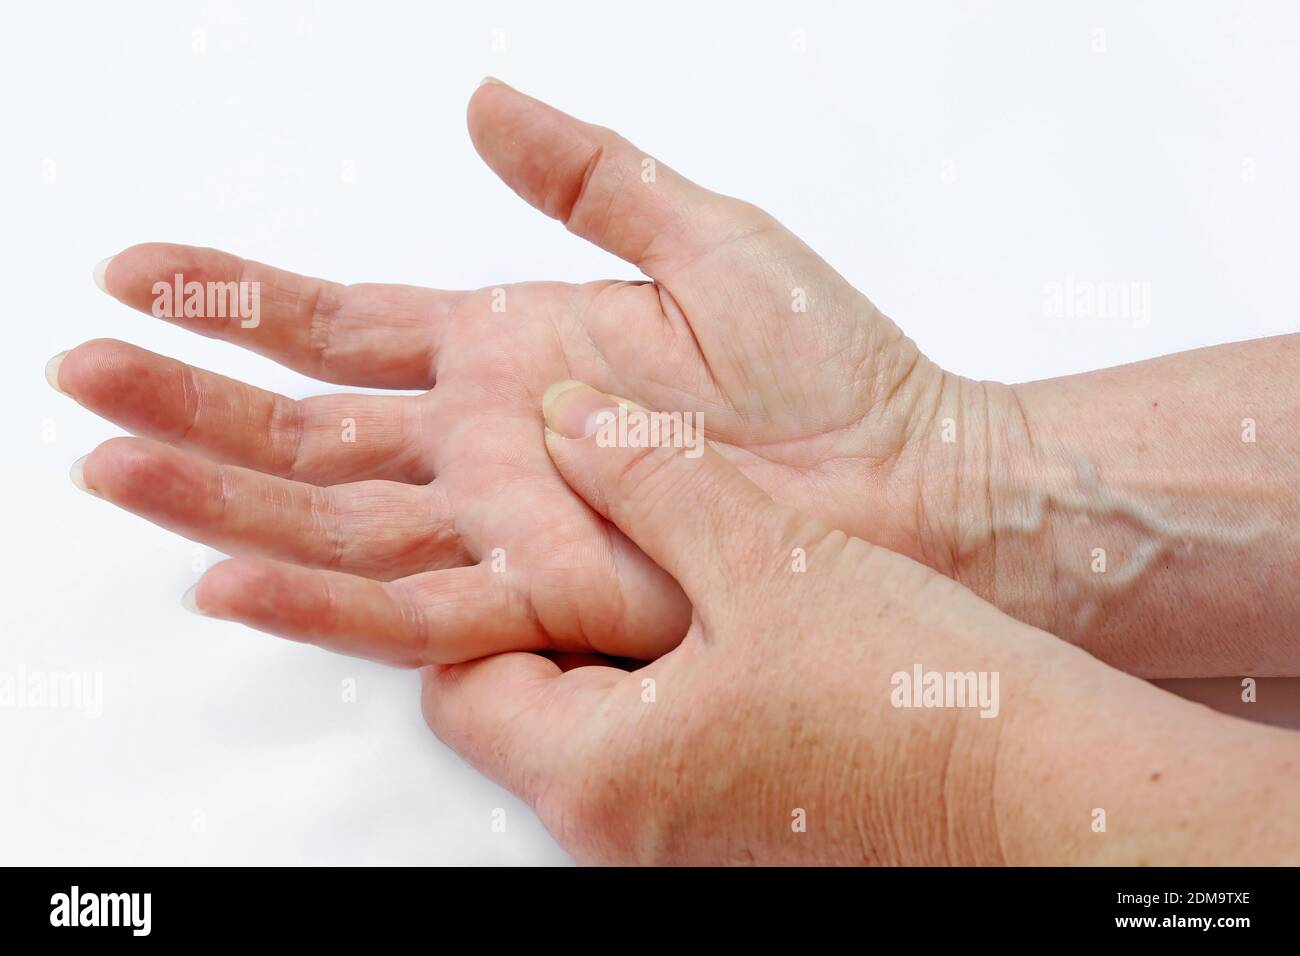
[650,475]
[327,519]
[286,434]
[191,403]
[416,642]
[745,221]
[566,192]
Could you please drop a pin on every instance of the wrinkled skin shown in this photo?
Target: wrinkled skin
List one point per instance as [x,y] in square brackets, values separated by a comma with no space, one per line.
[385,546]
[435,530]
[772,734]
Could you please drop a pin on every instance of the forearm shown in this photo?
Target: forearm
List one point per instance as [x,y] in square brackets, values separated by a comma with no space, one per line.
[1147,513]
[1075,763]
[1102,769]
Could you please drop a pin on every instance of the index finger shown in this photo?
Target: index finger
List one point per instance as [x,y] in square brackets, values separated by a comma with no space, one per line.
[382,336]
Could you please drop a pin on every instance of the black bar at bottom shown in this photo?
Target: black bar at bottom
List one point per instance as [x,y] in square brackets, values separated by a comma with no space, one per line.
[336,906]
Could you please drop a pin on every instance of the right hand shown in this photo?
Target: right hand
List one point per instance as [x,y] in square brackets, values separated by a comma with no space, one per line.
[778,709]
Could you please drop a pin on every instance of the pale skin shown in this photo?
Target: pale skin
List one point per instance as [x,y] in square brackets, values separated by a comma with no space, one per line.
[383,547]
[770,735]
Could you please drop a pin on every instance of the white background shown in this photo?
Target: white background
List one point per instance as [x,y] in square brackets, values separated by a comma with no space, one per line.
[950,159]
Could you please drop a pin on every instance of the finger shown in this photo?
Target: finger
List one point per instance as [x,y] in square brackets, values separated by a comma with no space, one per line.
[382,336]
[380,529]
[676,498]
[437,618]
[515,717]
[601,186]
[323,441]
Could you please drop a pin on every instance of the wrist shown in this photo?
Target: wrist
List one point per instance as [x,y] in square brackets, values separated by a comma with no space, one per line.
[984,484]
[1142,529]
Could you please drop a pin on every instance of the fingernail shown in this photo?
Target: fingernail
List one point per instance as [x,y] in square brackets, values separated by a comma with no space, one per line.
[100,271]
[571,409]
[77,474]
[52,373]
[490,80]
[190,601]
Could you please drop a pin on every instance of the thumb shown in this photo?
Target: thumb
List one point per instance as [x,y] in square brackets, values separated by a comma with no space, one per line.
[601,186]
[654,476]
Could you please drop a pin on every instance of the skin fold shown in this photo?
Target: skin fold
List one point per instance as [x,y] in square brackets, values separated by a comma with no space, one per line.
[444,533]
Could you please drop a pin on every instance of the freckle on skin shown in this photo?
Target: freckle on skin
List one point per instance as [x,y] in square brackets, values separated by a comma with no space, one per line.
[1155,776]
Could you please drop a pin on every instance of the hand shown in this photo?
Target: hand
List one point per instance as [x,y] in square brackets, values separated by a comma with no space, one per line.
[453,536]
[390,546]
[772,734]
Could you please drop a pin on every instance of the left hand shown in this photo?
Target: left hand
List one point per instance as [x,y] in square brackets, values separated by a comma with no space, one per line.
[386,547]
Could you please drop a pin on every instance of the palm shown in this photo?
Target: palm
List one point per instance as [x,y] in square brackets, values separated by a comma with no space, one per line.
[450,496]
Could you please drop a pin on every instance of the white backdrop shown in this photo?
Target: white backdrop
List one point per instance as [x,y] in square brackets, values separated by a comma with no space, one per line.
[950,159]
